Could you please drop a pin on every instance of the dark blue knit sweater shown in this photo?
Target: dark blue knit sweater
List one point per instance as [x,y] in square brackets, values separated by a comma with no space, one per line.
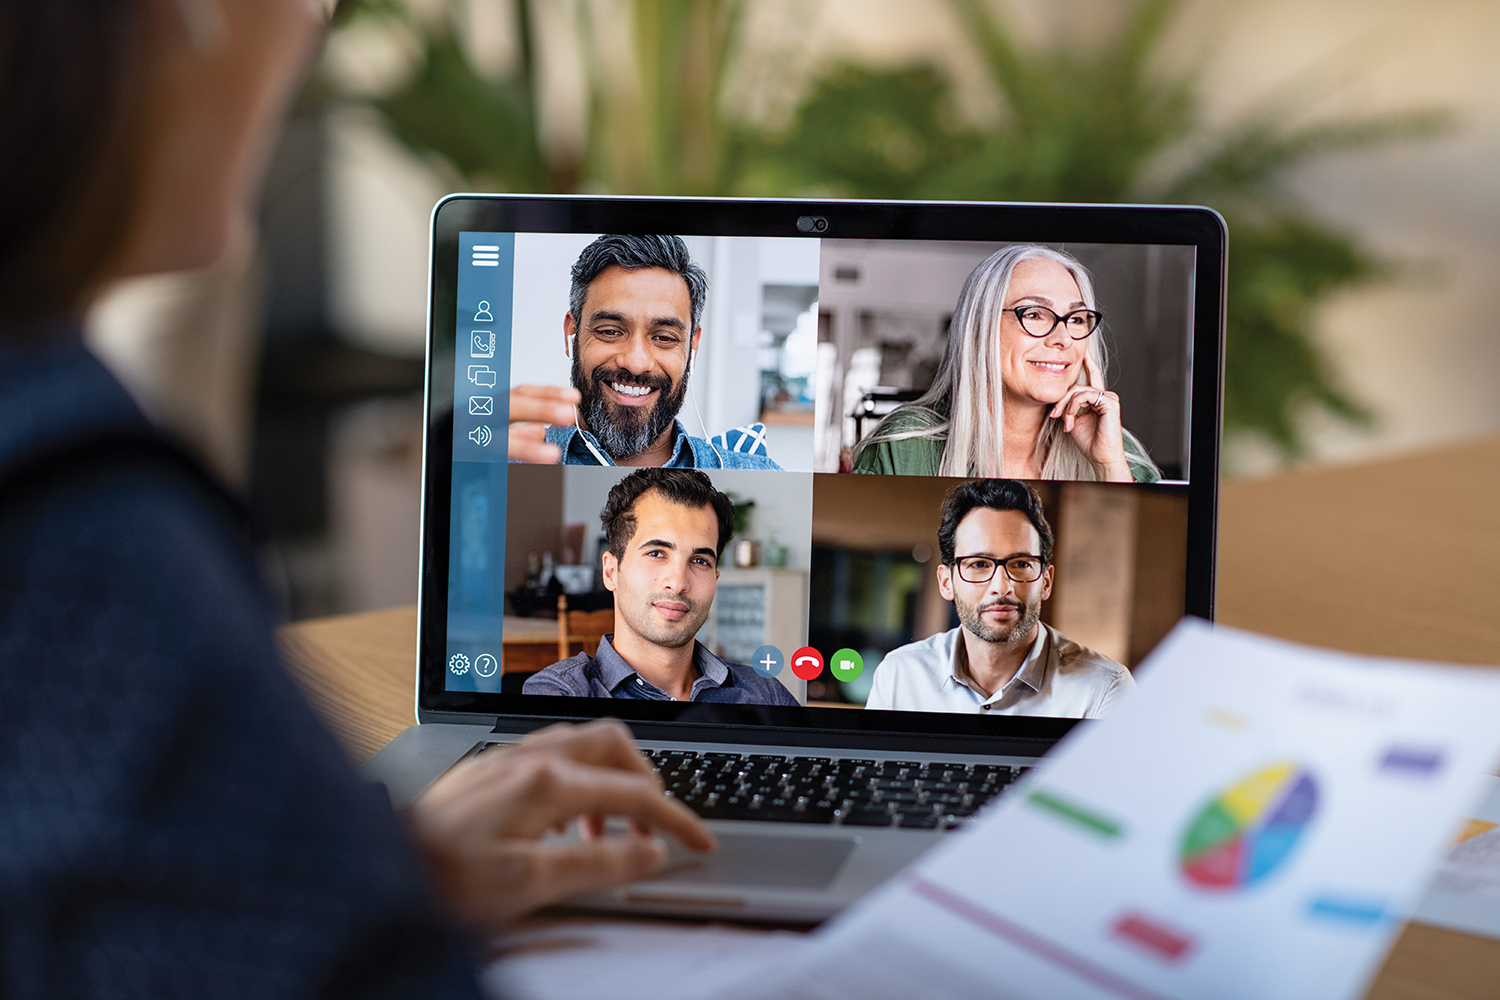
[174,822]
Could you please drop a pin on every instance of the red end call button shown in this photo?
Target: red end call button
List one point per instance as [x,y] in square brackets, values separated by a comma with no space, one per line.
[807,663]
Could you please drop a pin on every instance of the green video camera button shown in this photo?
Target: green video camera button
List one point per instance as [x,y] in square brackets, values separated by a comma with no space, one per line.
[846,665]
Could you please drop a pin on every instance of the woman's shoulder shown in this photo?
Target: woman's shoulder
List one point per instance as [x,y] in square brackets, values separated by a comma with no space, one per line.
[911,417]
[1142,468]
[907,442]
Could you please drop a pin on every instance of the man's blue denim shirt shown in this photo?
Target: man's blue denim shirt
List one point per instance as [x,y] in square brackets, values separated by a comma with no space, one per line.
[688,452]
[607,675]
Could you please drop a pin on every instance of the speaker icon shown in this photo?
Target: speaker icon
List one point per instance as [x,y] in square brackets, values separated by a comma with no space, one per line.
[481,435]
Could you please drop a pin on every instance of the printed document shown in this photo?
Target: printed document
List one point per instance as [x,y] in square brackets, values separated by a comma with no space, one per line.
[1257,820]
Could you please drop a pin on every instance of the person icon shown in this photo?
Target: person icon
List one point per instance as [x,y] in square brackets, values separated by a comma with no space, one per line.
[484,315]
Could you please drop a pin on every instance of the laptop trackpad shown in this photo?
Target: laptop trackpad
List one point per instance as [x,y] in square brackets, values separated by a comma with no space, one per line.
[761,862]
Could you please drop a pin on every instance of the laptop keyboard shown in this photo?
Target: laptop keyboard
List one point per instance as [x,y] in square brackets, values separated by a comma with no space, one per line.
[846,791]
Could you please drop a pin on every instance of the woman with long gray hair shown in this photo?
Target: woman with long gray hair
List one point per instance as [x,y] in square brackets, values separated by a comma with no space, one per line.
[1020,393]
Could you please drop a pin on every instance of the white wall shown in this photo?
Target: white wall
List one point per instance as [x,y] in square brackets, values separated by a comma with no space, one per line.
[544,263]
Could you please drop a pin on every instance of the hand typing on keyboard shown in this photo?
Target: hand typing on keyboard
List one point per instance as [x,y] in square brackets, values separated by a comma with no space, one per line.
[479,826]
[847,791]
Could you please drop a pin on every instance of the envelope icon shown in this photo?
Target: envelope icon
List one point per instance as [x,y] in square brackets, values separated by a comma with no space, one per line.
[482,406]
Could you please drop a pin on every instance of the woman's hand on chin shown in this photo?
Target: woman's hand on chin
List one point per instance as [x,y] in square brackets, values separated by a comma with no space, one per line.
[1091,417]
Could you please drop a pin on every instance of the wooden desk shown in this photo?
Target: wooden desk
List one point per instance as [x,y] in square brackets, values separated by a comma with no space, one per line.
[1309,556]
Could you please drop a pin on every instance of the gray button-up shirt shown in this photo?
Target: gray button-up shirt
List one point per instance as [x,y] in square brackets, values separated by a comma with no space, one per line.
[1059,678]
[607,675]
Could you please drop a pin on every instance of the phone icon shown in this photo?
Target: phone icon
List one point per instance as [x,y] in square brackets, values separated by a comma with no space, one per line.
[807,663]
[483,344]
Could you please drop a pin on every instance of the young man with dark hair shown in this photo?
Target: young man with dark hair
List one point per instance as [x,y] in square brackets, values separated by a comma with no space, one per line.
[665,529]
[996,550]
[632,330]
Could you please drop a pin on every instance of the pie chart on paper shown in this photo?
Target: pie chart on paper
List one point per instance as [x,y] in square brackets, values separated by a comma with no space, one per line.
[1250,828]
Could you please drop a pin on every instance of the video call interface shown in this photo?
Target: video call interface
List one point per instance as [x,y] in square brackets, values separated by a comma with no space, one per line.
[877,475]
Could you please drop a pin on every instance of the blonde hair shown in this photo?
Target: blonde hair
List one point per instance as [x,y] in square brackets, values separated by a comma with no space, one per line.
[964,406]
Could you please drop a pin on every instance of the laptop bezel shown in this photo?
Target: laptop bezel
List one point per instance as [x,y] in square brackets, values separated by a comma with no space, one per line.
[1043,223]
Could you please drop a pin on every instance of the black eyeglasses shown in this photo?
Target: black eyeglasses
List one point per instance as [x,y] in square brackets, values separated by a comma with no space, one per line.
[981,569]
[1039,321]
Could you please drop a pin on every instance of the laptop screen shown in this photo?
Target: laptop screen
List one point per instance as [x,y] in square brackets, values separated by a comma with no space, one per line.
[815,478]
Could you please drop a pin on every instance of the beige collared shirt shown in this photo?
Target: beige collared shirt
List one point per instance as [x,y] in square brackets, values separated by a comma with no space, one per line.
[1059,678]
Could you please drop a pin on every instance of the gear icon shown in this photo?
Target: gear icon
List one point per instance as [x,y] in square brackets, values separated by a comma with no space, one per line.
[458,663]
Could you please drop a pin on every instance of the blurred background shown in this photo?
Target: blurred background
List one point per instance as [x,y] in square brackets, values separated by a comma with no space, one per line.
[1350,144]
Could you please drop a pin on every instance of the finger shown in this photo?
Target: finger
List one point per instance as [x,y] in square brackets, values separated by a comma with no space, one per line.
[1096,377]
[528,443]
[558,871]
[558,790]
[1082,403]
[1071,399]
[560,393]
[544,403]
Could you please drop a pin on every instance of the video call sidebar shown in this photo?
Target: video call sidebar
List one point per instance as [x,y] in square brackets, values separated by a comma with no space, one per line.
[481,417]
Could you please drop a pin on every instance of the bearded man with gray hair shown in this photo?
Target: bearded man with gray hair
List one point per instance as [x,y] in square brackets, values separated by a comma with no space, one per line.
[632,331]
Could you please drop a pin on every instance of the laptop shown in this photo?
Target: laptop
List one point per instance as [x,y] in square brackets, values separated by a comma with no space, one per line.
[826,365]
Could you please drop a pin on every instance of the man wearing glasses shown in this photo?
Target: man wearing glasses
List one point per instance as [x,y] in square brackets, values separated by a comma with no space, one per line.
[996,549]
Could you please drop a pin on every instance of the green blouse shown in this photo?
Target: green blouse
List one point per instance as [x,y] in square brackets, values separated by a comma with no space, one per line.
[921,456]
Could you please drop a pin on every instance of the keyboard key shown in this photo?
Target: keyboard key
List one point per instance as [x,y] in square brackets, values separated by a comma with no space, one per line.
[855,791]
[867,817]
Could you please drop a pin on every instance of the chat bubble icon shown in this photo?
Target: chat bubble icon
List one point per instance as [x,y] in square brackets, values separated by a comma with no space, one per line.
[482,375]
[482,406]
